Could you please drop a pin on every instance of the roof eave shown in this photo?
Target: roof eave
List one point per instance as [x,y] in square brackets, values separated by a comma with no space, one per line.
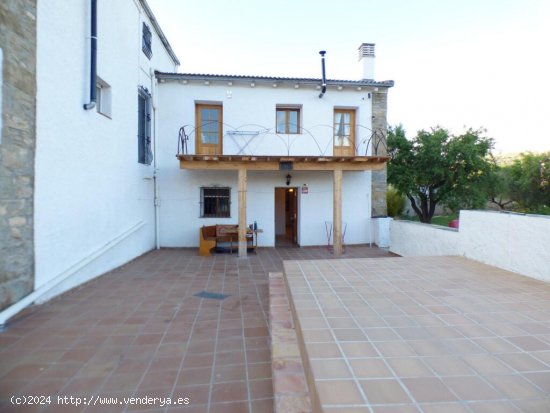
[272,79]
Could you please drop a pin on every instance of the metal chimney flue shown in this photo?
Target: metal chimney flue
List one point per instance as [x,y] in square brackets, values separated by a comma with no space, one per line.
[324,80]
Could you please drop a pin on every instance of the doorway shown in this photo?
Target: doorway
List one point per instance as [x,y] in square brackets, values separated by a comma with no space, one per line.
[286,216]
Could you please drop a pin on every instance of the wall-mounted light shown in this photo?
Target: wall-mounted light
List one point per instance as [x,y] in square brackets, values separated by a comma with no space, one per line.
[288,178]
[229,94]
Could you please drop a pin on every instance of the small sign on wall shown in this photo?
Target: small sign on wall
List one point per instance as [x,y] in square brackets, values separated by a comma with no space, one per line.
[305,189]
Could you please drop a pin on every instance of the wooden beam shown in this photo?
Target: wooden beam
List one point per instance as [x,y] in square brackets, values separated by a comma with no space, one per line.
[273,165]
[242,212]
[337,212]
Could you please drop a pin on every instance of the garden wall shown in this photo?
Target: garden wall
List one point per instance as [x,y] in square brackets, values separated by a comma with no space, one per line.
[514,242]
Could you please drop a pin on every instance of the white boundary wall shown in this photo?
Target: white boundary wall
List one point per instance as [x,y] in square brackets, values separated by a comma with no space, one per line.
[514,242]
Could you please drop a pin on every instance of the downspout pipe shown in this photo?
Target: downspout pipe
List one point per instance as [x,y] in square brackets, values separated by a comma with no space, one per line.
[93,57]
[324,84]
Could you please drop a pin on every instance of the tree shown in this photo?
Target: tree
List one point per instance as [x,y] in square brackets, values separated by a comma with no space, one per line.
[529,184]
[395,202]
[499,189]
[436,168]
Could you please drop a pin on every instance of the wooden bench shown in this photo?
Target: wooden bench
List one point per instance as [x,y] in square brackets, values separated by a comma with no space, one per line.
[221,237]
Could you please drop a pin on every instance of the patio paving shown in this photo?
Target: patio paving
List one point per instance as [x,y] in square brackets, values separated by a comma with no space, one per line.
[423,334]
[141,331]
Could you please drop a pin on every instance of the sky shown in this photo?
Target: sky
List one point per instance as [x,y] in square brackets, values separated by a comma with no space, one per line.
[455,63]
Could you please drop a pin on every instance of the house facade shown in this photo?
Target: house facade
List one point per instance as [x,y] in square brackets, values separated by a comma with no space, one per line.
[89,205]
[290,138]
[93,112]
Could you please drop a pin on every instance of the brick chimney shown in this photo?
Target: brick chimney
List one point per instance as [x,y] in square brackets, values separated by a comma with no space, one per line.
[366,59]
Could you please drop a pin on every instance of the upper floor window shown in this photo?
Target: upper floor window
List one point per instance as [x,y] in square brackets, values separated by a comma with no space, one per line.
[288,120]
[209,129]
[147,41]
[145,154]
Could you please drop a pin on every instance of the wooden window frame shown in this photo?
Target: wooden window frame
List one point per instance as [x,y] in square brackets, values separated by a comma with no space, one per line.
[218,197]
[287,110]
[198,121]
[338,150]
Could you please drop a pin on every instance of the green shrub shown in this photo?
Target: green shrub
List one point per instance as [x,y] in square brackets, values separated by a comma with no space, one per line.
[395,202]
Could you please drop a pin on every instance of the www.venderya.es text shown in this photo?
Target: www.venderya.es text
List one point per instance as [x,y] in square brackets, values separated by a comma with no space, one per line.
[97,400]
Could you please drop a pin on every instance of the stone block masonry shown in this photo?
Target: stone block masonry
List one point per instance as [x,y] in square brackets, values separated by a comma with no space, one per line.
[379,178]
[17,148]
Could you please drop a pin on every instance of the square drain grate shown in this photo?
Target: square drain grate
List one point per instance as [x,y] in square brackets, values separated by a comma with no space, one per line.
[214,296]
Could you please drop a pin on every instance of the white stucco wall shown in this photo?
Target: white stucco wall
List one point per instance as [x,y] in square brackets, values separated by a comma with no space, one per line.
[89,186]
[410,239]
[254,109]
[180,205]
[514,242]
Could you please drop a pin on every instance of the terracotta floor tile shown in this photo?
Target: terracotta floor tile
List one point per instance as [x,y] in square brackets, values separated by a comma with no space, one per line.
[533,406]
[233,372]
[515,386]
[359,349]
[448,366]
[229,391]
[261,389]
[158,379]
[407,408]
[493,406]
[428,389]
[386,391]
[197,394]
[234,407]
[471,388]
[409,367]
[369,368]
[522,362]
[339,392]
[542,380]
[262,406]
[444,408]
[83,386]
[330,369]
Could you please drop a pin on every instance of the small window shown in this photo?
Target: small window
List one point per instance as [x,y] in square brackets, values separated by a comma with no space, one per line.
[288,120]
[215,202]
[147,45]
[145,154]
[103,97]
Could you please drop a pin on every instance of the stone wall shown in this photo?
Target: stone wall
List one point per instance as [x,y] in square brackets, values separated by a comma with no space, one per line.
[17,148]
[379,127]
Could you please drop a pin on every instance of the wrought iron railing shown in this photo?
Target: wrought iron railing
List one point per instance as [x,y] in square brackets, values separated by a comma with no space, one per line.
[250,139]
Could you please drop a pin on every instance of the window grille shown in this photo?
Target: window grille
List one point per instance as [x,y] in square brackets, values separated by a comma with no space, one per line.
[215,202]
